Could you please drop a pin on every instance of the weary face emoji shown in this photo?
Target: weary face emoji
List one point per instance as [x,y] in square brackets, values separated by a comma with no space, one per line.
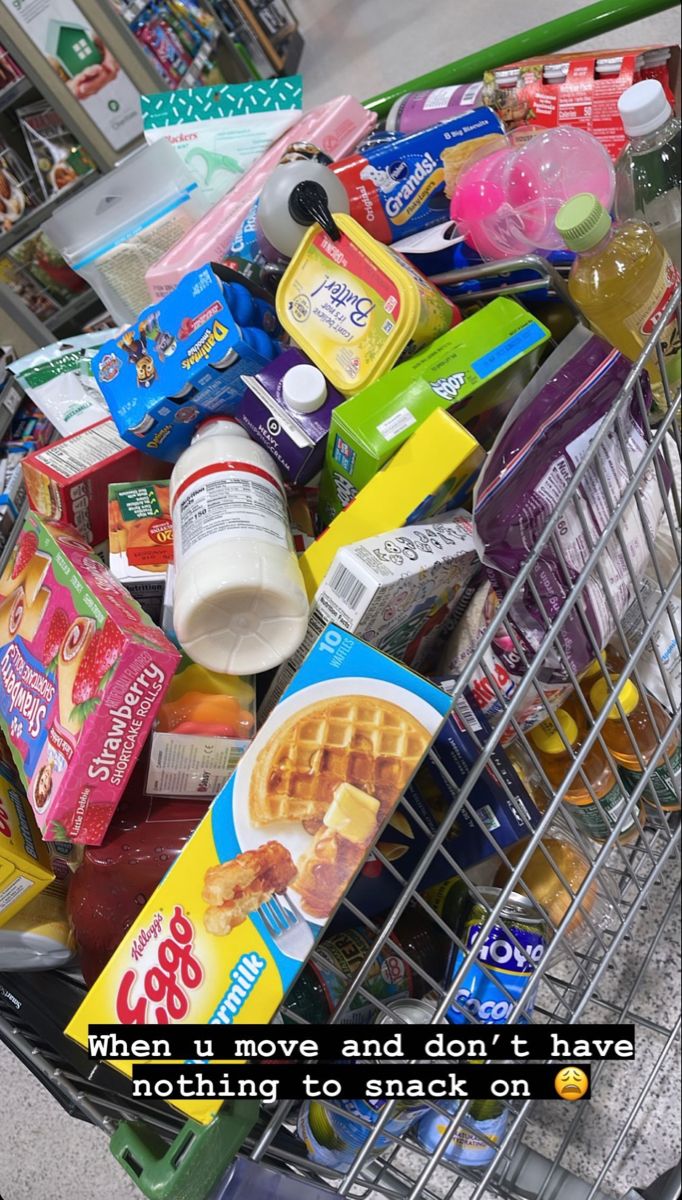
[571,1083]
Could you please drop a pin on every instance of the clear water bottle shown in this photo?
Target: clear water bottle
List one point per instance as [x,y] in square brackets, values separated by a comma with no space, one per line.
[648,171]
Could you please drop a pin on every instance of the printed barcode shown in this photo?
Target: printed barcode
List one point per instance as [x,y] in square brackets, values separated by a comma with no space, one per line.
[488,818]
[347,586]
[316,625]
[466,712]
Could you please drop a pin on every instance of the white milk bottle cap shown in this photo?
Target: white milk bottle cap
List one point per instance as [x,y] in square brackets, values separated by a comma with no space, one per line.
[304,388]
[214,425]
[644,108]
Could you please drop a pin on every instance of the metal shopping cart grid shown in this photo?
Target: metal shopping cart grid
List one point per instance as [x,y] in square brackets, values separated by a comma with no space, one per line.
[175,1159]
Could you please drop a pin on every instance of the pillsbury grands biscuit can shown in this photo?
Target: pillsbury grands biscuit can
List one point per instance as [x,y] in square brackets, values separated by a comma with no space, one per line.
[502,968]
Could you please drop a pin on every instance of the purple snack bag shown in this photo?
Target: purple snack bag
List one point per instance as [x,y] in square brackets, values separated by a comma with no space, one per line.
[545,438]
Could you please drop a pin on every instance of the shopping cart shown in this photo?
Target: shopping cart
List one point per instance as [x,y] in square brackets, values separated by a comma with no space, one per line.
[609,974]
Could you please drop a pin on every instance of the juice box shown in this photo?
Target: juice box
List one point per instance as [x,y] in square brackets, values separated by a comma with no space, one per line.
[432,472]
[141,540]
[454,372]
[398,591]
[68,480]
[24,860]
[291,826]
[82,673]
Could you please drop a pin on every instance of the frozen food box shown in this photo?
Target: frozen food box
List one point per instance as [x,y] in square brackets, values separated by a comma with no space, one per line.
[82,672]
[434,471]
[400,592]
[493,816]
[141,540]
[68,480]
[24,860]
[287,833]
[183,360]
[475,370]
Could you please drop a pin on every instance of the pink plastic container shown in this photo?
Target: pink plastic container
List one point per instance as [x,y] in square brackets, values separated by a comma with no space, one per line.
[335,127]
[505,203]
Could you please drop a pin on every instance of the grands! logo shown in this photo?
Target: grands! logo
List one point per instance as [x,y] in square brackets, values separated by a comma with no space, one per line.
[202,348]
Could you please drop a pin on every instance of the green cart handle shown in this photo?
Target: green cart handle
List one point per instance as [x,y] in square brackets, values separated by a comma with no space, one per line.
[192,1165]
[543,39]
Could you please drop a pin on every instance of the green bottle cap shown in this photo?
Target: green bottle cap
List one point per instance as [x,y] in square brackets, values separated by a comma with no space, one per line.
[582,222]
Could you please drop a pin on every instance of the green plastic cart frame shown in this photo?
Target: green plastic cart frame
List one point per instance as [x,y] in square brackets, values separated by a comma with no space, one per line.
[190,1167]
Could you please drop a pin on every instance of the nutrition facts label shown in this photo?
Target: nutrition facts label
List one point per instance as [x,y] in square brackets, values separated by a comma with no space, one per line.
[229,501]
[86,449]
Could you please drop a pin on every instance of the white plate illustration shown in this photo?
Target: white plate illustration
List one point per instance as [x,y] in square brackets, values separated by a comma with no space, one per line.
[291,834]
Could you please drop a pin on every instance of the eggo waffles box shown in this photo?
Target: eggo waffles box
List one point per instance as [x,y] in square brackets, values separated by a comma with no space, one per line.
[68,480]
[82,673]
[24,859]
[288,833]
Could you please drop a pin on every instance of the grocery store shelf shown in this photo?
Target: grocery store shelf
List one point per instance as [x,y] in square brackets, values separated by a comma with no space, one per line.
[197,66]
[13,535]
[11,95]
[36,216]
[80,304]
[133,10]
[11,397]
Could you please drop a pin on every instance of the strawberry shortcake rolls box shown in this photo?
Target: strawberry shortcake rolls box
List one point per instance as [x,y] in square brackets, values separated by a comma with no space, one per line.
[83,671]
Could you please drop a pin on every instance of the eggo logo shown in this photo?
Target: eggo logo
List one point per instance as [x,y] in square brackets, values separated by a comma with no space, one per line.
[5,828]
[165,985]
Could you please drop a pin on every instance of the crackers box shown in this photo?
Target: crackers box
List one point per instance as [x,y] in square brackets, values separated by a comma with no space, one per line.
[82,672]
[24,860]
[432,472]
[400,592]
[141,540]
[68,480]
[208,916]
[469,370]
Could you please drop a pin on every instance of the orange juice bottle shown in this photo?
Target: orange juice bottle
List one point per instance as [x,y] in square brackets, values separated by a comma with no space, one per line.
[622,280]
[663,788]
[597,821]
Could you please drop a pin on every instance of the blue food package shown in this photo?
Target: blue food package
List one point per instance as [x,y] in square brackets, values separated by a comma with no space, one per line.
[396,189]
[430,795]
[183,359]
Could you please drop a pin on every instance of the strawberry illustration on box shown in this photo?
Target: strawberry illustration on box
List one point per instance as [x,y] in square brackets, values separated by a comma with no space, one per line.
[83,671]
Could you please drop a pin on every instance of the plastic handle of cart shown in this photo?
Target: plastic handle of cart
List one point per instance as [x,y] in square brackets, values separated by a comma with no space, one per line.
[192,1166]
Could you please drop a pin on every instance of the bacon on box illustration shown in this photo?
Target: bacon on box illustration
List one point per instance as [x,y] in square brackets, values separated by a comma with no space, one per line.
[83,671]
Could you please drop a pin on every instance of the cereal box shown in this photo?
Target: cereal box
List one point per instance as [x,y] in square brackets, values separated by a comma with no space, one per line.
[82,672]
[286,835]
[68,480]
[432,472]
[141,540]
[24,860]
[399,591]
[468,371]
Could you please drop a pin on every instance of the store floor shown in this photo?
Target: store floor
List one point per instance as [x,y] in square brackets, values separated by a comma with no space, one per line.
[361,46]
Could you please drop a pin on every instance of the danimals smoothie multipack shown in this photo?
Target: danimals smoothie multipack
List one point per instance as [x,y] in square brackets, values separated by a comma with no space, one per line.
[82,672]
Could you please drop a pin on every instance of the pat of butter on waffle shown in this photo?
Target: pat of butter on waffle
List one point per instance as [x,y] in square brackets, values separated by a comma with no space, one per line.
[352,814]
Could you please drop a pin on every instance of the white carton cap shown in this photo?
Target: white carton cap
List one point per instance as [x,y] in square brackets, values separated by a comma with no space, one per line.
[304,388]
[644,108]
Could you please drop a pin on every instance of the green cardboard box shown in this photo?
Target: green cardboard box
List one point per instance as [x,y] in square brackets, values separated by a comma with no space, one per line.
[475,370]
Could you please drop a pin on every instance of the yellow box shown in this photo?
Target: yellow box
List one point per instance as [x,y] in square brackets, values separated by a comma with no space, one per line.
[434,470]
[24,860]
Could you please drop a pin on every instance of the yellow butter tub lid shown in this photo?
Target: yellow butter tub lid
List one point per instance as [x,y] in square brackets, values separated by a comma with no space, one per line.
[353,306]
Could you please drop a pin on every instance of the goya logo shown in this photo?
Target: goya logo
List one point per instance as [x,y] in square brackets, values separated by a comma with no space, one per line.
[162,994]
[501,952]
